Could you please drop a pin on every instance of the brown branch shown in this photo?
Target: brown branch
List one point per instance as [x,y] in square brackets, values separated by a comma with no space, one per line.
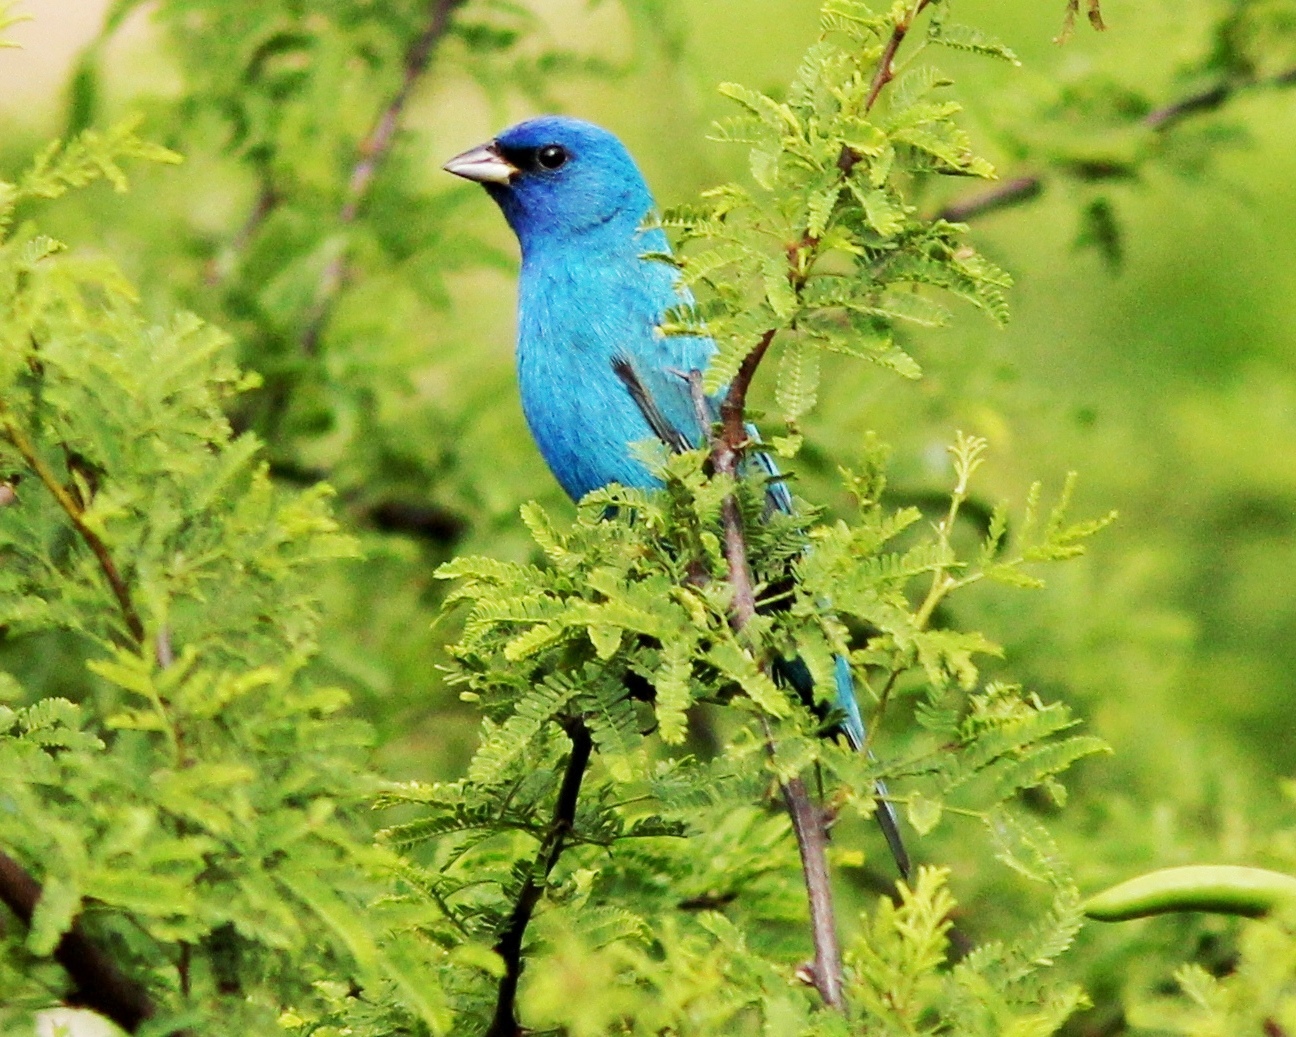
[76,515]
[886,65]
[726,452]
[373,151]
[1203,101]
[509,945]
[708,902]
[221,266]
[99,984]
[430,522]
[733,408]
[807,822]
[1009,193]
[1214,97]
[1024,188]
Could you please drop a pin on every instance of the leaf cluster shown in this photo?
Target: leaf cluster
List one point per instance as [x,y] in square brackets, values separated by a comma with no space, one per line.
[624,629]
[196,812]
[828,247]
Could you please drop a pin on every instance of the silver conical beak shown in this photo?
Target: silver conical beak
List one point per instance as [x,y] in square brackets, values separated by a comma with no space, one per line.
[484,164]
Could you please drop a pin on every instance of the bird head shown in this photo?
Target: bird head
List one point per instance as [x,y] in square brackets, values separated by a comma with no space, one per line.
[559,180]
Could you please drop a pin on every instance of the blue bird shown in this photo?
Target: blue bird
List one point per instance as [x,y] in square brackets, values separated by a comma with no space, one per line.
[594,372]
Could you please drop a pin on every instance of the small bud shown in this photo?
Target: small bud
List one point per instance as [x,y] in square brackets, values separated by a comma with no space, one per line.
[8,494]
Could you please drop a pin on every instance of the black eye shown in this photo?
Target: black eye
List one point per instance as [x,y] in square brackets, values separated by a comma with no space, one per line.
[551,156]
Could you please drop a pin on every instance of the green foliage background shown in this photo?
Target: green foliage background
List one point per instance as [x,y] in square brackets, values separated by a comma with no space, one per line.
[1151,349]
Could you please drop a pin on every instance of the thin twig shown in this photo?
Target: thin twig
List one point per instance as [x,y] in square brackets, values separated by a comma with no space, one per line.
[162,649]
[886,66]
[100,984]
[372,152]
[425,521]
[76,515]
[807,822]
[1024,188]
[222,265]
[880,710]
[1203,101]
[740,576]
[1007,194]
[733,408]
[726,453]
[1214,97]
[429,522]
[509,945]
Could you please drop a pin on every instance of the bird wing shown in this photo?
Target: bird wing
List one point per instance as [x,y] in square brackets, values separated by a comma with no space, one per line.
[623,367]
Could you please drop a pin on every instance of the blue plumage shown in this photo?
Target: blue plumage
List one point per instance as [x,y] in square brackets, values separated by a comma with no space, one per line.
[588,310]
[585,299]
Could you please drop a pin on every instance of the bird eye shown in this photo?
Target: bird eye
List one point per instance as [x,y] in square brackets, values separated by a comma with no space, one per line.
[551,156]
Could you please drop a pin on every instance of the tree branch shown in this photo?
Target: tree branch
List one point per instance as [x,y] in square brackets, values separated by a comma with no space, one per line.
[1024,188]
[726,452]
[1214,97]
[99,984]
[807,820]
[373,151]
[429,522]
[509,945]
[733,408]
[1009,193]
[886,65]
[1203,101]
[76,514]
[223,264]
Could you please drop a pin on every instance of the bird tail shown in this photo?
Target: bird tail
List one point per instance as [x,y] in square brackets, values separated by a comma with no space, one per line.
[779,498]
[797,674]
[853,728]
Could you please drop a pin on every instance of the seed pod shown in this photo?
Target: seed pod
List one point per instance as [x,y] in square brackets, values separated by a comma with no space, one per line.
[1223,889]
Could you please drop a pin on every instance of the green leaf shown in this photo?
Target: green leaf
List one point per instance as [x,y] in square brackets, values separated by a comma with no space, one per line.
[798,377]
[779,293]
[969,38]
[884,214]
[606,639]
[819,209]
[405,962]
[924,814]
[740,667]
[346,924]
[57,908]
[674,694]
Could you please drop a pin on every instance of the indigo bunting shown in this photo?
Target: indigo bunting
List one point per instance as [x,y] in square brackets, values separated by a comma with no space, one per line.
[595,373]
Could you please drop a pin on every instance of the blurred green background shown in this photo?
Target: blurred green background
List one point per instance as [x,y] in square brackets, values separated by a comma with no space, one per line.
[1159,363]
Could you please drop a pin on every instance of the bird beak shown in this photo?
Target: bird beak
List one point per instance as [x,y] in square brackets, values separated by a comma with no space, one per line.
[485,164]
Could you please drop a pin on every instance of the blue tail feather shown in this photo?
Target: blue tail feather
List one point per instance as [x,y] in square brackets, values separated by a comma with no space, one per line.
[853,727]
[797,674]
[780,498]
